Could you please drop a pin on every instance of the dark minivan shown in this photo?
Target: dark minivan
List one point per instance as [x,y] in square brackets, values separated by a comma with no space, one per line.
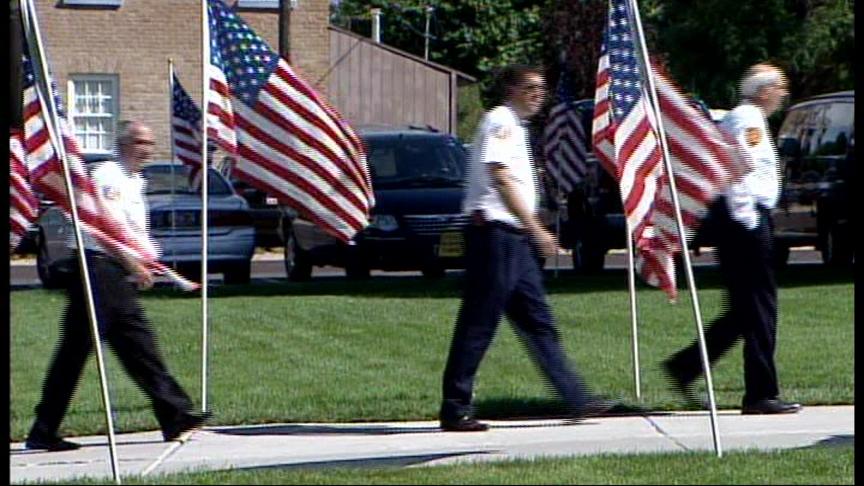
[816,143]
[416,224]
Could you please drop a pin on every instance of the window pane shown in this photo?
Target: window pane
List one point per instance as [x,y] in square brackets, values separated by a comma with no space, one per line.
[95,110]
[79,103]
[834,138]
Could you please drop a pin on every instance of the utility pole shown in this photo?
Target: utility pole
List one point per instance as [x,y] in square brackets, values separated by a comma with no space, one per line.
[429,10]
[285,8]
[376,24]
[16,97]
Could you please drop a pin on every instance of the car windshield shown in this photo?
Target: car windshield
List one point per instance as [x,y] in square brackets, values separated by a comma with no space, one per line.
[167,179]
[414,161]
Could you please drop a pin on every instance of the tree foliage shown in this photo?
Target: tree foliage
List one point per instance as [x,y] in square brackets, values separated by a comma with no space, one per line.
[708,44]
[704,44]
[472,36]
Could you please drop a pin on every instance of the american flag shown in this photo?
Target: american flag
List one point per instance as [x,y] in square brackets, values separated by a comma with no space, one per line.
[186,126]
[23,205]
[46,175]
[705,161]
[290,142]
[564,143]
[186,130]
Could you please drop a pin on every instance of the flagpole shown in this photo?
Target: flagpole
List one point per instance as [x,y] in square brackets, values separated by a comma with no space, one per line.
[173,156]
[631,279]
[31,27]
[205,166]
[655,107]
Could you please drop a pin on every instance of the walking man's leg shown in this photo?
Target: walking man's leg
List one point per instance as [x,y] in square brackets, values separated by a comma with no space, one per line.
[483,302]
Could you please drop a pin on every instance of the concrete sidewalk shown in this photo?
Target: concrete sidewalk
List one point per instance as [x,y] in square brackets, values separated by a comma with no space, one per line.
[422,443]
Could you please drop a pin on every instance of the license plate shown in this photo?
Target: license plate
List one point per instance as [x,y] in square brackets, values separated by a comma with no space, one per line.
[451,245]
[272,201]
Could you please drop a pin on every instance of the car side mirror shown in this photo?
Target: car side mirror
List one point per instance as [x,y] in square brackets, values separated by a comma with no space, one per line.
[790,147]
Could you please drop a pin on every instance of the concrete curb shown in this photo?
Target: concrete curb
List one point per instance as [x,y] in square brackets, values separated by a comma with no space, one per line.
[423,444]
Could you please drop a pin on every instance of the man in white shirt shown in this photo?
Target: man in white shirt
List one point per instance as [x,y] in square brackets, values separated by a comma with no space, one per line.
[121,319]
[502,273]
[744,240]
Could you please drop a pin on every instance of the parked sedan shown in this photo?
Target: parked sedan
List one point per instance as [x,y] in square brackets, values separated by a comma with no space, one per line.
[175,222]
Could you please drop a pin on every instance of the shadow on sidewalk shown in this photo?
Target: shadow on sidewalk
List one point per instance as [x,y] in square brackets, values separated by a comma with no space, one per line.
[834,441]
[21,451]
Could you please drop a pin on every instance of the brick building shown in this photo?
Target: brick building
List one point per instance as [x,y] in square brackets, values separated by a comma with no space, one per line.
[110,57]
[110,61]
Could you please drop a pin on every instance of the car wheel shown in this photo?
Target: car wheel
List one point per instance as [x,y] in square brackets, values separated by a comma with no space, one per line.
[781,256]
[835,248]
[46,276]
[588,258]
[433,271]
[238,273]
[297,265]
[357,271]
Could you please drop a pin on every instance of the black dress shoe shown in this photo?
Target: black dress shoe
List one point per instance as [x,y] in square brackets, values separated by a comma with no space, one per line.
[770,407]
[184,428]
[53,444]
[464,424]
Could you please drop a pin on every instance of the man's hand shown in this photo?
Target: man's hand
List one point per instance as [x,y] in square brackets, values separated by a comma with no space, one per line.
[142,276]
[547,246]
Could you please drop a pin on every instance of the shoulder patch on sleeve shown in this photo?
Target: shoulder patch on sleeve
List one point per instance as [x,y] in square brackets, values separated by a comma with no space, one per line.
[753,136]
[501,132]
[110,192]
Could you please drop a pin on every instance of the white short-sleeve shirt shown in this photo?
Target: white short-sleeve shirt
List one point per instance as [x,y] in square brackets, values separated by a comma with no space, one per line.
[501,138]
[762,185]
[123,195]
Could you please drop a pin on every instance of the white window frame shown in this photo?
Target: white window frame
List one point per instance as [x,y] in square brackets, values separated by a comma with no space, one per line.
[268,4]
[114,114]
[96,3]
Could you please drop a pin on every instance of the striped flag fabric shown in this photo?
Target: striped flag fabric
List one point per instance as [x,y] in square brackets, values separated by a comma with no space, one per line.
[186,130]
[46,175]
[564,139]
[290,142]
[705,161]
[185,125]
[23,204]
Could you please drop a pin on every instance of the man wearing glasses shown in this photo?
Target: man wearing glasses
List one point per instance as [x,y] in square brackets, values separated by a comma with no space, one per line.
[744,232]
[115,280]
[502,272]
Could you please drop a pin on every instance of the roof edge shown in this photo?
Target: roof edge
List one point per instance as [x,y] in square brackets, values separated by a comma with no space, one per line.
[402,53]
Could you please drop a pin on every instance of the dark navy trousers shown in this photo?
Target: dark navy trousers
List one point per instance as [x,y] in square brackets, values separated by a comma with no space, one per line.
[123,325]
[746,263]
[503,276]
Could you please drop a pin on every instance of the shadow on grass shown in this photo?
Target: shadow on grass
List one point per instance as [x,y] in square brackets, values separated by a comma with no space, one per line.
[544,408]
[346,429]
[567,282]
[372,462]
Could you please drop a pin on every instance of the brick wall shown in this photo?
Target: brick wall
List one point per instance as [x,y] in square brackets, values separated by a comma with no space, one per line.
[135,41]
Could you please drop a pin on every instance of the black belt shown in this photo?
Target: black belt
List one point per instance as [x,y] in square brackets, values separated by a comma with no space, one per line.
[509,228]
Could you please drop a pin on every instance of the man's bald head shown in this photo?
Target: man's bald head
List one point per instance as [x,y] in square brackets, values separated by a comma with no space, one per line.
[135,144]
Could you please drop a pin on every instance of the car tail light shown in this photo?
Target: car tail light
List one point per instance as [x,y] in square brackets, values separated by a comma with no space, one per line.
[186,219]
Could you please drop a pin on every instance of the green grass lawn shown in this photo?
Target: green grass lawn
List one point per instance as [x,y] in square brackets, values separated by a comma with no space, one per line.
[814,465]
[331,350]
